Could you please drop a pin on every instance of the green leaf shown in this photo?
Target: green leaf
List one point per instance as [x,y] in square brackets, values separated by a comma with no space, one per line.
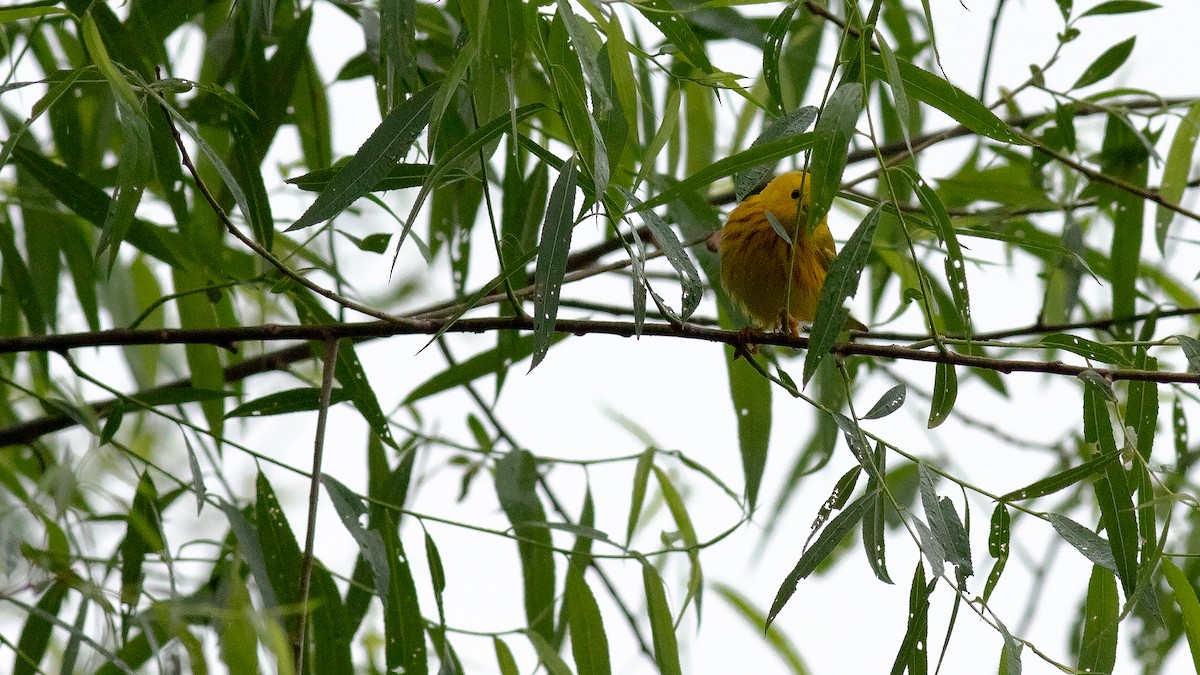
[547,655]
[384,148]
[1119,7]
[35,635]
[504,658]
[751,397]
[1101,610]
[1088,349]
[741,161]
[553,249]
[937,92]
[480,365]
[999,546]
[1063,479]
[1189,606]
[676,29]
[641,477]
[1191,349]
[589,643]
[830,537]
[349,371]
[834,131]
[944,524]
[29,12]
[773,45]
[1106,64]
[784,648]
[1091,545]
[687,532]
[913,654]
[662,627]
[1112,491]
[516,486]
[143,535]
[790,125]
[956,273]
[398,177]
[692,287]
[874,538]
[302,399]
[1175,172]
[350,510]
[887,404]
[403,626]
[945,392]
[841,282]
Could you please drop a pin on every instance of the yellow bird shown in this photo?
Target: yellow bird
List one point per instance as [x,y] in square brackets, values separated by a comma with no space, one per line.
[755,259]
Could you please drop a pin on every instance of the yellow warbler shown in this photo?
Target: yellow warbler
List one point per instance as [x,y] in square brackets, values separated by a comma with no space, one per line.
[755,259]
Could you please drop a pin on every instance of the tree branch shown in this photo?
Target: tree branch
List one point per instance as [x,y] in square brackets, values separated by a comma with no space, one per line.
[30,431]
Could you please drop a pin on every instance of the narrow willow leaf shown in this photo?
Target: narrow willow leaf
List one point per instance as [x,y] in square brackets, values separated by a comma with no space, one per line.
[1175,172]
[668,242]
[1141,408]
[913,654]
[398,177]
[1063,479]
[676,29]
[742,161]
[956,273]
[1089,349]
[350,510]
[1106,64]
[1112,491]
[841,282]
[1191,349]
[480,365]
[404,629]
[1189,606]
[791,124]
[1098,645]
[833,133]
[504,657]
[835,501]
[937,92]
[1091,545]
[349,371]
[773,45]
[29,12]
[143,535]
[751,396]
[1119,7]
[784,648]
[830,537]
[892,67]
[887,404]
[302,399]
[662,627]
[553,248]
[945,392]
[687,531]
[1123,155]
[516,484]
[641,476]
[96,49]
[944,523]
[873,531]
[999,547]
[589,642]
[134,171]
[35,634]
[1010,653]
[1179,437]
[384,148]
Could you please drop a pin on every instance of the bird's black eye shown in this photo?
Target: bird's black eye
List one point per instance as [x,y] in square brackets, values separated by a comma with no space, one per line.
[795,194]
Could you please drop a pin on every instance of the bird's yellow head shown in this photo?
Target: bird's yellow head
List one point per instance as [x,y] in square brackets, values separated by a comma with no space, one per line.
[785,192]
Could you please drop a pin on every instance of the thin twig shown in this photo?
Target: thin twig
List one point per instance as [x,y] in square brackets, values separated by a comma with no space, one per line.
[314,492]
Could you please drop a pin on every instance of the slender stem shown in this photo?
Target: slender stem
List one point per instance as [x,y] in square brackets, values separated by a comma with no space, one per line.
[314,492]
